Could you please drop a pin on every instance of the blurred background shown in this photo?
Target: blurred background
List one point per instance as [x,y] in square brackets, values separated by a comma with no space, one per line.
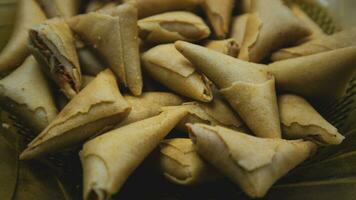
[343,11]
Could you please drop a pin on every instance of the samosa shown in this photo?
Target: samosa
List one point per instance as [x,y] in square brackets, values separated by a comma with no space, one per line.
[172,26]
[26,93]
[321,77]
[219,15]
[301,121]
[342,39]
[60,8]
[270,27]
[170,68]
[248,87]
[238,29]
[97,108]
[314,28]
[228,46]
[180,163]
[214,113]
[151,7]
[114,34]
[254,164]
[148,105]
[52,44]
[15,52]
[108,160]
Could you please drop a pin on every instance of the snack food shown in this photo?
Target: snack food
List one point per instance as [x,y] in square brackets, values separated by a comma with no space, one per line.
[122,116]
[172,26]
[228,46]
[216,112]
[311,76]
[14,53]
[26,93]
[52,44]
[179,163]
[219,15]
[319,44]
[301,121]
[87,114]
[248,87]
[151,7]
[109,159]
[121,55]
[250,162]
[60,8]
[170,68]
[148,105]
[270,26]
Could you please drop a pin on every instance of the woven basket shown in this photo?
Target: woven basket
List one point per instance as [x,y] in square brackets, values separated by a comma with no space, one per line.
[145,184]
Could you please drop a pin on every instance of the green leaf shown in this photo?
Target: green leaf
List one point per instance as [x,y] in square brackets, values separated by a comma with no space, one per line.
[335,189]
[7,19]
[26,179]
[338,167]
[348,145]
[7,12]
[8,167]
[36,181]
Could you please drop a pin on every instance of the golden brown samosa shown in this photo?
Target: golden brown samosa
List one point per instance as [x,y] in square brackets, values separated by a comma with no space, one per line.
[170,68]
[98,107]
[52,44]
[270,26]
[321,77]
[179,163]
[113,33]
[214,113]
[228,46]
[26,93]
[238,29]
[60,8]
[219,14]
[252,163]
[109,159]
[14,53]
[148,105]
[338,40]
[248,87]
[172,26]
[301,121]
[151,7]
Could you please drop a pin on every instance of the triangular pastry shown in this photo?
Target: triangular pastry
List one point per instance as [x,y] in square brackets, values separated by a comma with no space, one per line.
[248,87]
[98,107]
[254,164]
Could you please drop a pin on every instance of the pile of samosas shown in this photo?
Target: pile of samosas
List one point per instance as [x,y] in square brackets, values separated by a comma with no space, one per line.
[239,87]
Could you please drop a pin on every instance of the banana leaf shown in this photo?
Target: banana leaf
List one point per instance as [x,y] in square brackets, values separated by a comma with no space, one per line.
[348,145]
[7,18]
[340,166]
[340,189]
[22,180]
[8,164]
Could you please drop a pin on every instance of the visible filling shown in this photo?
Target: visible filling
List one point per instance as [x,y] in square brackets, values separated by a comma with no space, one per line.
[232,49]
[56,67]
